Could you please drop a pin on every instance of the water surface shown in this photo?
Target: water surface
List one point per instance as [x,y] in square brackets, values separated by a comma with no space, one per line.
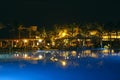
[60,65]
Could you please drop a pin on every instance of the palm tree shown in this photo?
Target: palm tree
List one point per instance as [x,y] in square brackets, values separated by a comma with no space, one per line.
[100,29]
[20,28]
[85,28]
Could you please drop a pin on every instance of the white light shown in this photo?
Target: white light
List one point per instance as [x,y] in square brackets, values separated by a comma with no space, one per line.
[25,55]
[56,59]
[78,56]
[37,43]
[17,55]
[40,40]
[48,44]
[40,57]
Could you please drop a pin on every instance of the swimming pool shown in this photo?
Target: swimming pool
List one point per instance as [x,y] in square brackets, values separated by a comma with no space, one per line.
[60,65]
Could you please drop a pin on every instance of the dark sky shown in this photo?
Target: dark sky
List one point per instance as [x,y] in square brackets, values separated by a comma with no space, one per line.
[59,11]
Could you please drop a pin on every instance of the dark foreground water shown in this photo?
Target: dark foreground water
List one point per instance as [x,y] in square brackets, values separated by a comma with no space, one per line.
[60,65]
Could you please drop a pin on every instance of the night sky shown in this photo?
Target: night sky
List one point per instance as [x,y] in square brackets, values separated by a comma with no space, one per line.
[58,11]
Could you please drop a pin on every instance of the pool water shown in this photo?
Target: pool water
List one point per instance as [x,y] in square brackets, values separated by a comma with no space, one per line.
[60,65]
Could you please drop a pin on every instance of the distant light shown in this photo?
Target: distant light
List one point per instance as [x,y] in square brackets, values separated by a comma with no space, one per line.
[74,53]
[53,43]
[78,39]
[78,56]
[40,40]
[15,45]
[48,44]
[93,32]
[63,34]
[17,41]
[25,55]
[87,51]
[64,63]
[40,57]
[67,57]
[106,51]
[56,59]
[16,55]
[37,43]
[25,41]
[53,59]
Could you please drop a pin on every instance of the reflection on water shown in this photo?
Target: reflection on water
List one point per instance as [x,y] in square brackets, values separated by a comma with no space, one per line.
[63,57]
[69,63]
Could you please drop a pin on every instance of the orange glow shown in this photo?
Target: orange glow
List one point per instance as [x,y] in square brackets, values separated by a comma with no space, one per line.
[63,33]
[113,36]
[93,33]
[104,37]
[25,41]
[17,41]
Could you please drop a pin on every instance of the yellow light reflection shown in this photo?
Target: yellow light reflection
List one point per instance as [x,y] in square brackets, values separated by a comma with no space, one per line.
[106,51]
[87,52]
[94,55]
[53,59]
[74,53]
[56,59]
[64,63]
